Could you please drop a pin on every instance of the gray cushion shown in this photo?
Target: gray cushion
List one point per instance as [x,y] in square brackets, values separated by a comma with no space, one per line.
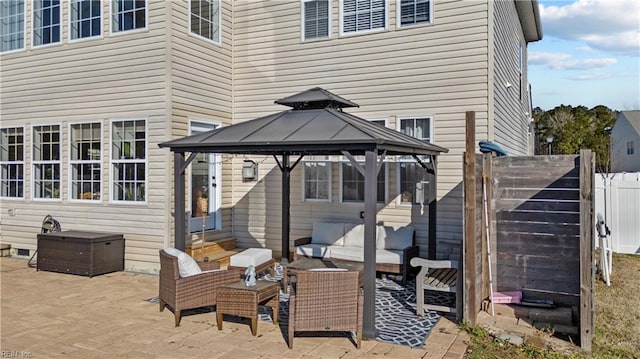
[328,233]
[354,236]
[394,238]
[355,254]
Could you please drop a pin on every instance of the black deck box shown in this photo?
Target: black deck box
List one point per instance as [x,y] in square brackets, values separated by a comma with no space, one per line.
[82,253]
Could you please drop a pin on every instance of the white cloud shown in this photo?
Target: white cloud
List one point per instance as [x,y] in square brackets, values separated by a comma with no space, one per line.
[607,25]
[560,61]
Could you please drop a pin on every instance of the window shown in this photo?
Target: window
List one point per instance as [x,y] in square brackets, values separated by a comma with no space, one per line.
[205,19]
[86,153]
[413,178]
[353,183]
[46,161]
[520,68]
[413,12]
[84,18]
[363,15]
[12,162]
[315,22]
[128,160]
[128,15]
[11,25]
[630,149]
[316,178]
[46,22]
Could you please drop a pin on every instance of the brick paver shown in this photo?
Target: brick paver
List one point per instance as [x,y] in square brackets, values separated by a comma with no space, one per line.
[50,315]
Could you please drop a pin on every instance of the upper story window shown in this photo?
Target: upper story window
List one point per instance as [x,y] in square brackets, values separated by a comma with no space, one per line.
[11,25]
[205,19]
[414,12]
[630,149]
[12,162]
[520,68]
[413,178]
[128,160]
[317,178]
[363,15]
[46,161]
[46,22]
[85,18]
[128,15]
[85,156]
[315,22]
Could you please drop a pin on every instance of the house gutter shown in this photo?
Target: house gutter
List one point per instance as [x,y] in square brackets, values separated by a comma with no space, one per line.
[529,15]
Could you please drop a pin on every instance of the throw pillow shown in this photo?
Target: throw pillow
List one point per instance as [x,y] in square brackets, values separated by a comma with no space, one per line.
[395,238]
[187,266]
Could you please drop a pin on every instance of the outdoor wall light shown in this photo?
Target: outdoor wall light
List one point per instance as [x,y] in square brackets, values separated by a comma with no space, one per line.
[508,85]
[249,171]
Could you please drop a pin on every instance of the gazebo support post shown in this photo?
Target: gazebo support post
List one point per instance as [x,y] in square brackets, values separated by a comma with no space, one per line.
[370,209]
[433,208]
[179,189]
[286,203]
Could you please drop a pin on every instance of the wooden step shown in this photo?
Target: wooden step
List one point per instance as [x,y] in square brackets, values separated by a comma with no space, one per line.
[211,248]
[224,257]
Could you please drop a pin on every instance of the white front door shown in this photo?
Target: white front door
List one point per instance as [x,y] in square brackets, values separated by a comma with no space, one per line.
[205,189]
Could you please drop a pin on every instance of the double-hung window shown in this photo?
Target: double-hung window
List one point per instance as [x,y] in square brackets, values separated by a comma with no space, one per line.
[317,178]
[46,22]
[85,153]
[128,15]
[630,149]
[12,162]
[46,161]
[205,19]
[84,18]
[363,15]
[315,22]
[413,178]
[12,22]
[414,12]
[128,160]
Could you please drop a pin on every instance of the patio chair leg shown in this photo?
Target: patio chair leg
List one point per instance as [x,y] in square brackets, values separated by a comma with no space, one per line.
[254,326]
[162,305]
[358,339]
[290,338]
[177,313]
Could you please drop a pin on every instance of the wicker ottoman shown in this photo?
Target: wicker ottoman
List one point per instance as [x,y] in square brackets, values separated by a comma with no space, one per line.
[242,301]
[260,258]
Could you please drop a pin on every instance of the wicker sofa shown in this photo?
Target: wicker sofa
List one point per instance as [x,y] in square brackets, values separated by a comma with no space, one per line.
[395,246]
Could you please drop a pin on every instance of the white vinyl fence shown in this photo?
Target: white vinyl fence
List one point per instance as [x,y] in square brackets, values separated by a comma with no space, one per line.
[618,200]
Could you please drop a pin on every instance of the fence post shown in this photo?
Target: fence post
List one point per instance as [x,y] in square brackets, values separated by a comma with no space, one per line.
[587,270]
[470,305]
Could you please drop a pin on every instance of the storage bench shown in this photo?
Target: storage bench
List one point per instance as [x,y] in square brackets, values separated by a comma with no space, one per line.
[81,253]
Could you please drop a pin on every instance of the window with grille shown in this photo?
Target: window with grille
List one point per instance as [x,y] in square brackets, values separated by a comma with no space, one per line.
[46,162]
[46,22]
[12,15]
[85,161]
[317,178]
[413,178]
[128,161]
[414,12]
[85,18]
[363,15]
[316,19]
[128,15]
[630,149]
[205,19]
[12,162]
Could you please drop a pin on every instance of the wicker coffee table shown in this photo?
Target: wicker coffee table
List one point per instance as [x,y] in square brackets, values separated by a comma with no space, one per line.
[306,263]
[242,301]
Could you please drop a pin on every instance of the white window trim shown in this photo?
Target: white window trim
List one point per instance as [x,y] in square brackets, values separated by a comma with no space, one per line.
[70,40]
[24,40]
[363,32]
[146,162]
[302,24]
[398,17]
[34,162]
[401,160]
[218,169]
[72,162]
[32,28]
[197,36]
[24,169]
[133,31]
[330,176]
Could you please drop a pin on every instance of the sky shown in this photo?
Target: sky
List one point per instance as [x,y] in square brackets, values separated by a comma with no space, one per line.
[589,54]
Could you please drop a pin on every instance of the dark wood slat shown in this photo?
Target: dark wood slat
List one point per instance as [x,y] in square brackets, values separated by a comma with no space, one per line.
[537,205]
[549,173]
[523,227]
[534,261]
[541,217]
[528,180]
[549,194]
[538,161]
[552,282]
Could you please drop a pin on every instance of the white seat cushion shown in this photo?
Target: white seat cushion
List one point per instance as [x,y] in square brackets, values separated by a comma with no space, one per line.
[354,236]
[315,250]
[389,256]
[251,256]
[394,238]
[355,254]
[328,233]
[187,266]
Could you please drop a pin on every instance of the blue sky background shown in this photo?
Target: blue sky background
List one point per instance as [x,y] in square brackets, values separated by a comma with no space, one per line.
[589,54]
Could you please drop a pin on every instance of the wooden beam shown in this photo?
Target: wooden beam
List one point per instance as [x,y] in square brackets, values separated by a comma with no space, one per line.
[179,196]
[470,309]
[587,270]
[370,208]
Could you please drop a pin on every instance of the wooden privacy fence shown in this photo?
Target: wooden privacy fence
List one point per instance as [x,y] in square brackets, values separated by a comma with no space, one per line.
[540,212]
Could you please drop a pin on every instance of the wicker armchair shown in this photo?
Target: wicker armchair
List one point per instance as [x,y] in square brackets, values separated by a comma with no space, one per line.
[190,292]
[326,301]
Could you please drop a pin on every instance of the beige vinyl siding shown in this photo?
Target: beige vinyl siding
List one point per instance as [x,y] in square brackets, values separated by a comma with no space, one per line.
[109,78]
[511,121]
[201,91]
[440,70]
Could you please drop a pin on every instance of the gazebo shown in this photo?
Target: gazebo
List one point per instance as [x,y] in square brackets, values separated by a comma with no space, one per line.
[315,125]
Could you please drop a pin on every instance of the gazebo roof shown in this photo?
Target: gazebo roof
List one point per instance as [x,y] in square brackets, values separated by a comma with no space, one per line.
[315,125]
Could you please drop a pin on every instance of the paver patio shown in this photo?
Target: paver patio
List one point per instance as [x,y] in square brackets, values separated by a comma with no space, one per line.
[48,315]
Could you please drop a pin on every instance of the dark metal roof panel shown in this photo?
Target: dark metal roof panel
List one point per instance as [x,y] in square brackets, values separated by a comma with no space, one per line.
[315,95]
